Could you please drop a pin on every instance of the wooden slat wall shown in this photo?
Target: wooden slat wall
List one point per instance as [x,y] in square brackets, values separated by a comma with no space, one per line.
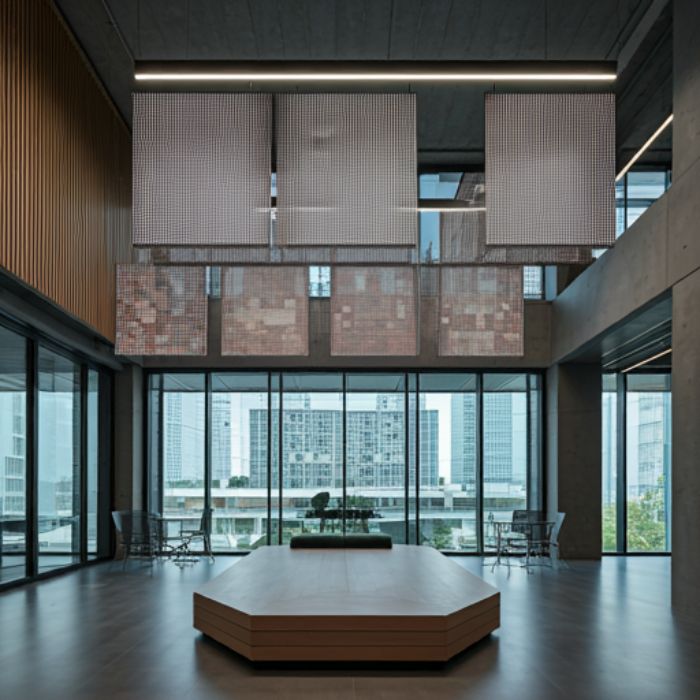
[65,168]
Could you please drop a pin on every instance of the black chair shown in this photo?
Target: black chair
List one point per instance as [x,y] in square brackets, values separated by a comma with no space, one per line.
[203,533]
[138,533]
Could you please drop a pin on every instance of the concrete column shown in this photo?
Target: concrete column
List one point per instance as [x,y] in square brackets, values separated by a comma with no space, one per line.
[685,452]
[574,456]
[128,439]
[684,237]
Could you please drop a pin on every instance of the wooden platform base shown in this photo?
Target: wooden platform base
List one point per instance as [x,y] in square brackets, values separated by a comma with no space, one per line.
[408,603]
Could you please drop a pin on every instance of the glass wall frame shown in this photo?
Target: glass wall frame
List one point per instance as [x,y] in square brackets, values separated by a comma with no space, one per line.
[87,493]
[636,463]
[356,431]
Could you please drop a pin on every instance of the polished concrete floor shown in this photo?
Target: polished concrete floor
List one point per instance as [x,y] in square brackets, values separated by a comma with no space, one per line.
[599,630]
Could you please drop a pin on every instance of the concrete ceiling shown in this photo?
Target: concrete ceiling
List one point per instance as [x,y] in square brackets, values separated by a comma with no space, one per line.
[115,33]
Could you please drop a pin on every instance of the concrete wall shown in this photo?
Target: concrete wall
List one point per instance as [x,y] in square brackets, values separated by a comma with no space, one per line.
[685,228]
[573,430]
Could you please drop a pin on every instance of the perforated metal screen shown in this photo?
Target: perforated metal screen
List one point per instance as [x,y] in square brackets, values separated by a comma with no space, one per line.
[374,311]
[550,169]
[161,310]
[481,311]
[346,169]
[463,236]
[265,311]
[201,169]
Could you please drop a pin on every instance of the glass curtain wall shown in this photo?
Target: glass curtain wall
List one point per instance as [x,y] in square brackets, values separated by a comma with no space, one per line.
[636,464]
[648,426]
[183,452]
[313,451]
[92,459]
[239,452]
[506,460]
[376,476]
[13,455]
[449,448]
[54,457]
[343,456]
[58,461]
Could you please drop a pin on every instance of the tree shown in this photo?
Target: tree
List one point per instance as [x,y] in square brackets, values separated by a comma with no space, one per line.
[646,521]
[238,482]
[442,535]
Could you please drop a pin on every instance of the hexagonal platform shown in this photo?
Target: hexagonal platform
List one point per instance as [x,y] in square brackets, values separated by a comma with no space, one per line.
[408,603]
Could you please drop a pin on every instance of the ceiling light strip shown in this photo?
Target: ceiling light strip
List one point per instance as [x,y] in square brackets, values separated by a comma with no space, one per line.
[648,360]
[375,71]
[646,145]
[324,77]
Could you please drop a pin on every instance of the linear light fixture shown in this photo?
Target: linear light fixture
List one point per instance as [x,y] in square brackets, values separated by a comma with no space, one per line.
[646,145]
[375,71]
[649,359]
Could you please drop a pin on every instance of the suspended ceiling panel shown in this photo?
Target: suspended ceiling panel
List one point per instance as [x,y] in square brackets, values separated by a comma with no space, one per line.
[463,235]
[265,311]
[161,310]
[550,169]
[481,311]
[346,170]
[374,311]
[201,165]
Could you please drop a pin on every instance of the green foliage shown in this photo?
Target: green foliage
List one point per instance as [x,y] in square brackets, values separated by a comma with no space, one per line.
[238,482]
[646,525]
[442,535]
[609,528]
[361,502]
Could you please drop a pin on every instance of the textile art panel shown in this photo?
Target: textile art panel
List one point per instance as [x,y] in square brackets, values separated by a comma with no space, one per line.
[201,166]
[346,169]
[550,169]
[481,311]
[161,310]
[265,311]
[374,311]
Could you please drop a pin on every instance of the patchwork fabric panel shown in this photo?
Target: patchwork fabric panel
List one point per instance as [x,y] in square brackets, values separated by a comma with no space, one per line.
[265,310]
[481,311]
[201,169]
[346,169]
[161,310]
[550,169]
[374,311]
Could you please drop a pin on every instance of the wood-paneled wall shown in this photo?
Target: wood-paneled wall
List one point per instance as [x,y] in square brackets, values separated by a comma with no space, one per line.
[65,168]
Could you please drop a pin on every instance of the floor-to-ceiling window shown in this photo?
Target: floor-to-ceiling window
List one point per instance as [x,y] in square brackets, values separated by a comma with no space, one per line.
[294,452]
[312,453]
[183,451]
[376,435]
[648,462]
[449,448]
[92,422]
[13,455]
[58,460]
[240,416]
[55,454]
[636,464]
